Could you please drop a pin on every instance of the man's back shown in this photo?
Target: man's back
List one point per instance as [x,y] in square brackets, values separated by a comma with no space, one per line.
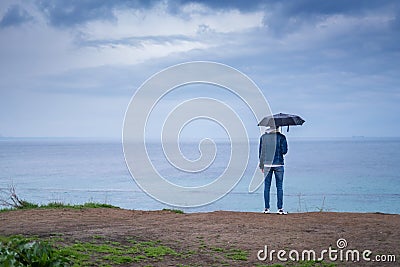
[272,148]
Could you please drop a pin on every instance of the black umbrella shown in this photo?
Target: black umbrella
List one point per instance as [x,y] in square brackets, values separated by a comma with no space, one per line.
[281,119]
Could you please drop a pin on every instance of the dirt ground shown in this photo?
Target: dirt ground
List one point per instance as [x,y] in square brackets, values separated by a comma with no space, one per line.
[246,231]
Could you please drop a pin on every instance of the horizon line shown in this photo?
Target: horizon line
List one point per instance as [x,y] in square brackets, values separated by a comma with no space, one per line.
[359,137]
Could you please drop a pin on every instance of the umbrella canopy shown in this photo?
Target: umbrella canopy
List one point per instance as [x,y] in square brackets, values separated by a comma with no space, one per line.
[281,119]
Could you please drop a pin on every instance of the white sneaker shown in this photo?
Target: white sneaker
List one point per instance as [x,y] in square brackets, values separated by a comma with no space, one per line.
[266,211]
[282,212]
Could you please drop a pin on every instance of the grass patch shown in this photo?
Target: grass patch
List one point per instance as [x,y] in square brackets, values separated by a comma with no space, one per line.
[237,255]
[90,205]
[159,251]
[10,201]
[230,254]
[24,205]
[59,205]
[174,211]
[117,259]
[107,252]
[32,251]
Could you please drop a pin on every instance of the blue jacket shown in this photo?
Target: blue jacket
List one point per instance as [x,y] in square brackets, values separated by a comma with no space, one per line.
[272,155]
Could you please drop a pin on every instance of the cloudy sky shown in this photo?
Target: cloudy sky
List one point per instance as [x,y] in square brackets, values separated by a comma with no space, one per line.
[70,68]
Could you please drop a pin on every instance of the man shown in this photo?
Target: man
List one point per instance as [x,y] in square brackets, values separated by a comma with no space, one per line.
[273,146]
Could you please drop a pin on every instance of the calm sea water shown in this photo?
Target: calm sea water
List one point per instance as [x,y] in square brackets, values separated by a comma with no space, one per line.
[351,175]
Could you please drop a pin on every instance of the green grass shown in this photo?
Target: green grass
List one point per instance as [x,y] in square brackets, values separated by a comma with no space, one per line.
[58,205]
[52,251]
[236,254]
[174,211]
[230,254]
[53,205]
[103,251]
[114,253]
[25,205]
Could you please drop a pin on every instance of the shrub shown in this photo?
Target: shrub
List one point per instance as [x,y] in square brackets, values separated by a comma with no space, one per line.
[19,251]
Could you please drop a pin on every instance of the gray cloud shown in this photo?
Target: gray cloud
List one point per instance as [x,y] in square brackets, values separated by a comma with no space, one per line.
[288,16]
[315,7]
[14,16]
[243,6]
[75,12]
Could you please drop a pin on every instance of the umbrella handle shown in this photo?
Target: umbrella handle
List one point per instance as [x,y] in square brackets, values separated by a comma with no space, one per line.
[287,129]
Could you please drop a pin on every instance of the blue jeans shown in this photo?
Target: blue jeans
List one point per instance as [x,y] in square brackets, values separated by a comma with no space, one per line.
[279,185]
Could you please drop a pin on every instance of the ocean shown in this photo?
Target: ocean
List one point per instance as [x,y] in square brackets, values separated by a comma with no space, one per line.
[343,175]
